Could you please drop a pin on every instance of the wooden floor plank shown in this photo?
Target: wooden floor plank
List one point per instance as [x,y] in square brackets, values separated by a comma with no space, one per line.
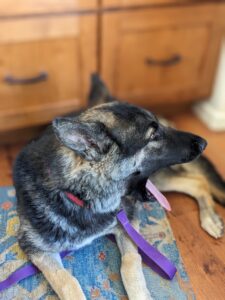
[202,256]
[5,167]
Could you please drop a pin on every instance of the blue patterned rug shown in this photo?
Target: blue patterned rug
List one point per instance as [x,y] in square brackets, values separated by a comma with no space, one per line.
[95,266]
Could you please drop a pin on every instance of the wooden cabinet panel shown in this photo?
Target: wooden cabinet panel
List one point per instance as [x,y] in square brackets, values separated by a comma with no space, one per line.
[158,55]
[161,59]
[27,97]
[25,7]
[34,29]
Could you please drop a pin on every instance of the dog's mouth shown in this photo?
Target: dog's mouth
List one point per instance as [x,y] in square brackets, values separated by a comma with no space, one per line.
[137,173]
[193,155]
[146,194]
[150,197]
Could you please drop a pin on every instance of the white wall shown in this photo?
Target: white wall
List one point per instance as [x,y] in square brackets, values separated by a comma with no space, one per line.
[212,112]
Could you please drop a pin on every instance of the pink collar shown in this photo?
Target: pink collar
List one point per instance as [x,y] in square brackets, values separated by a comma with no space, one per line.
[75,199]
[149,186]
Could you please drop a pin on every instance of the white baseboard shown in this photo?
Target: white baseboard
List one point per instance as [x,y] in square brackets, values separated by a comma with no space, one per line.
[212,117]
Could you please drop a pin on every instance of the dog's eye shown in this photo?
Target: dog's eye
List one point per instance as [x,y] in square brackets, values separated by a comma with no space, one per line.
[155,125]
[151,133]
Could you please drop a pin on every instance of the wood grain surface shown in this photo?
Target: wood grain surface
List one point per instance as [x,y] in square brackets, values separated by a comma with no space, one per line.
[160,55]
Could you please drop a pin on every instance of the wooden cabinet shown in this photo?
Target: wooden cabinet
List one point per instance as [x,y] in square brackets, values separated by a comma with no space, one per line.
[45,73]
[28,7]
[158,56]
[149,52]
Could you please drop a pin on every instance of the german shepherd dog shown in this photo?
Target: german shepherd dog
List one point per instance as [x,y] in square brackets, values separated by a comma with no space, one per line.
[103,156]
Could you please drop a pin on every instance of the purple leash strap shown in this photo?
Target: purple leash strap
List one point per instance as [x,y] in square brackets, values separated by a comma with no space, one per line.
[23,273]
[150,255]
[18,275]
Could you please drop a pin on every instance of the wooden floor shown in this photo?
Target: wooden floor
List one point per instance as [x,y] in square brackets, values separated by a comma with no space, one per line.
[204,257]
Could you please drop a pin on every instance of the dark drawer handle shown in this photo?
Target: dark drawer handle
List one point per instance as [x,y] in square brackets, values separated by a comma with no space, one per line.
[42,76]
[175,59]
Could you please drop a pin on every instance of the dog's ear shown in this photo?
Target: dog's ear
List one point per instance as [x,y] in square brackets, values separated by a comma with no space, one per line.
[88,139]
[99,92]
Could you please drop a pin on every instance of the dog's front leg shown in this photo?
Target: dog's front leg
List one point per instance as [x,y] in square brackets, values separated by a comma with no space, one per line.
[131,266]
[63,283]
[198,188]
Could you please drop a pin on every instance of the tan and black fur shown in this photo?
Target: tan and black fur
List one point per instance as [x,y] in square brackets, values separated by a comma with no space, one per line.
[198,179]
[104,156]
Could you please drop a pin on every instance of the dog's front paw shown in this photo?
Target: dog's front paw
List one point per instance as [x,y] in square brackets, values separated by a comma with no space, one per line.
[212,223]
[133,277]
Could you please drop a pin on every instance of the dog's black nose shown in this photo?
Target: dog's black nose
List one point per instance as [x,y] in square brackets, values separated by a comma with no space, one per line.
[198,144]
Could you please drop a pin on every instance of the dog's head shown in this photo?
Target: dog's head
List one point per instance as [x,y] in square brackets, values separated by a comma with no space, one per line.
[117,141]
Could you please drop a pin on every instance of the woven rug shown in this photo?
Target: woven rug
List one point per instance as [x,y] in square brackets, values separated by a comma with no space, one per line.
[96,266]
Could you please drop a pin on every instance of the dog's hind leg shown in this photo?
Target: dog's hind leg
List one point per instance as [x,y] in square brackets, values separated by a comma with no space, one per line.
[63,283]
[131,266]
[197,187]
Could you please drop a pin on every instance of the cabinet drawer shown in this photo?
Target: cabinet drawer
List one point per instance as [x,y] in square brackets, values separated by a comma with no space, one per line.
[155,56]
[45,78]
[161,60]
[26,7]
